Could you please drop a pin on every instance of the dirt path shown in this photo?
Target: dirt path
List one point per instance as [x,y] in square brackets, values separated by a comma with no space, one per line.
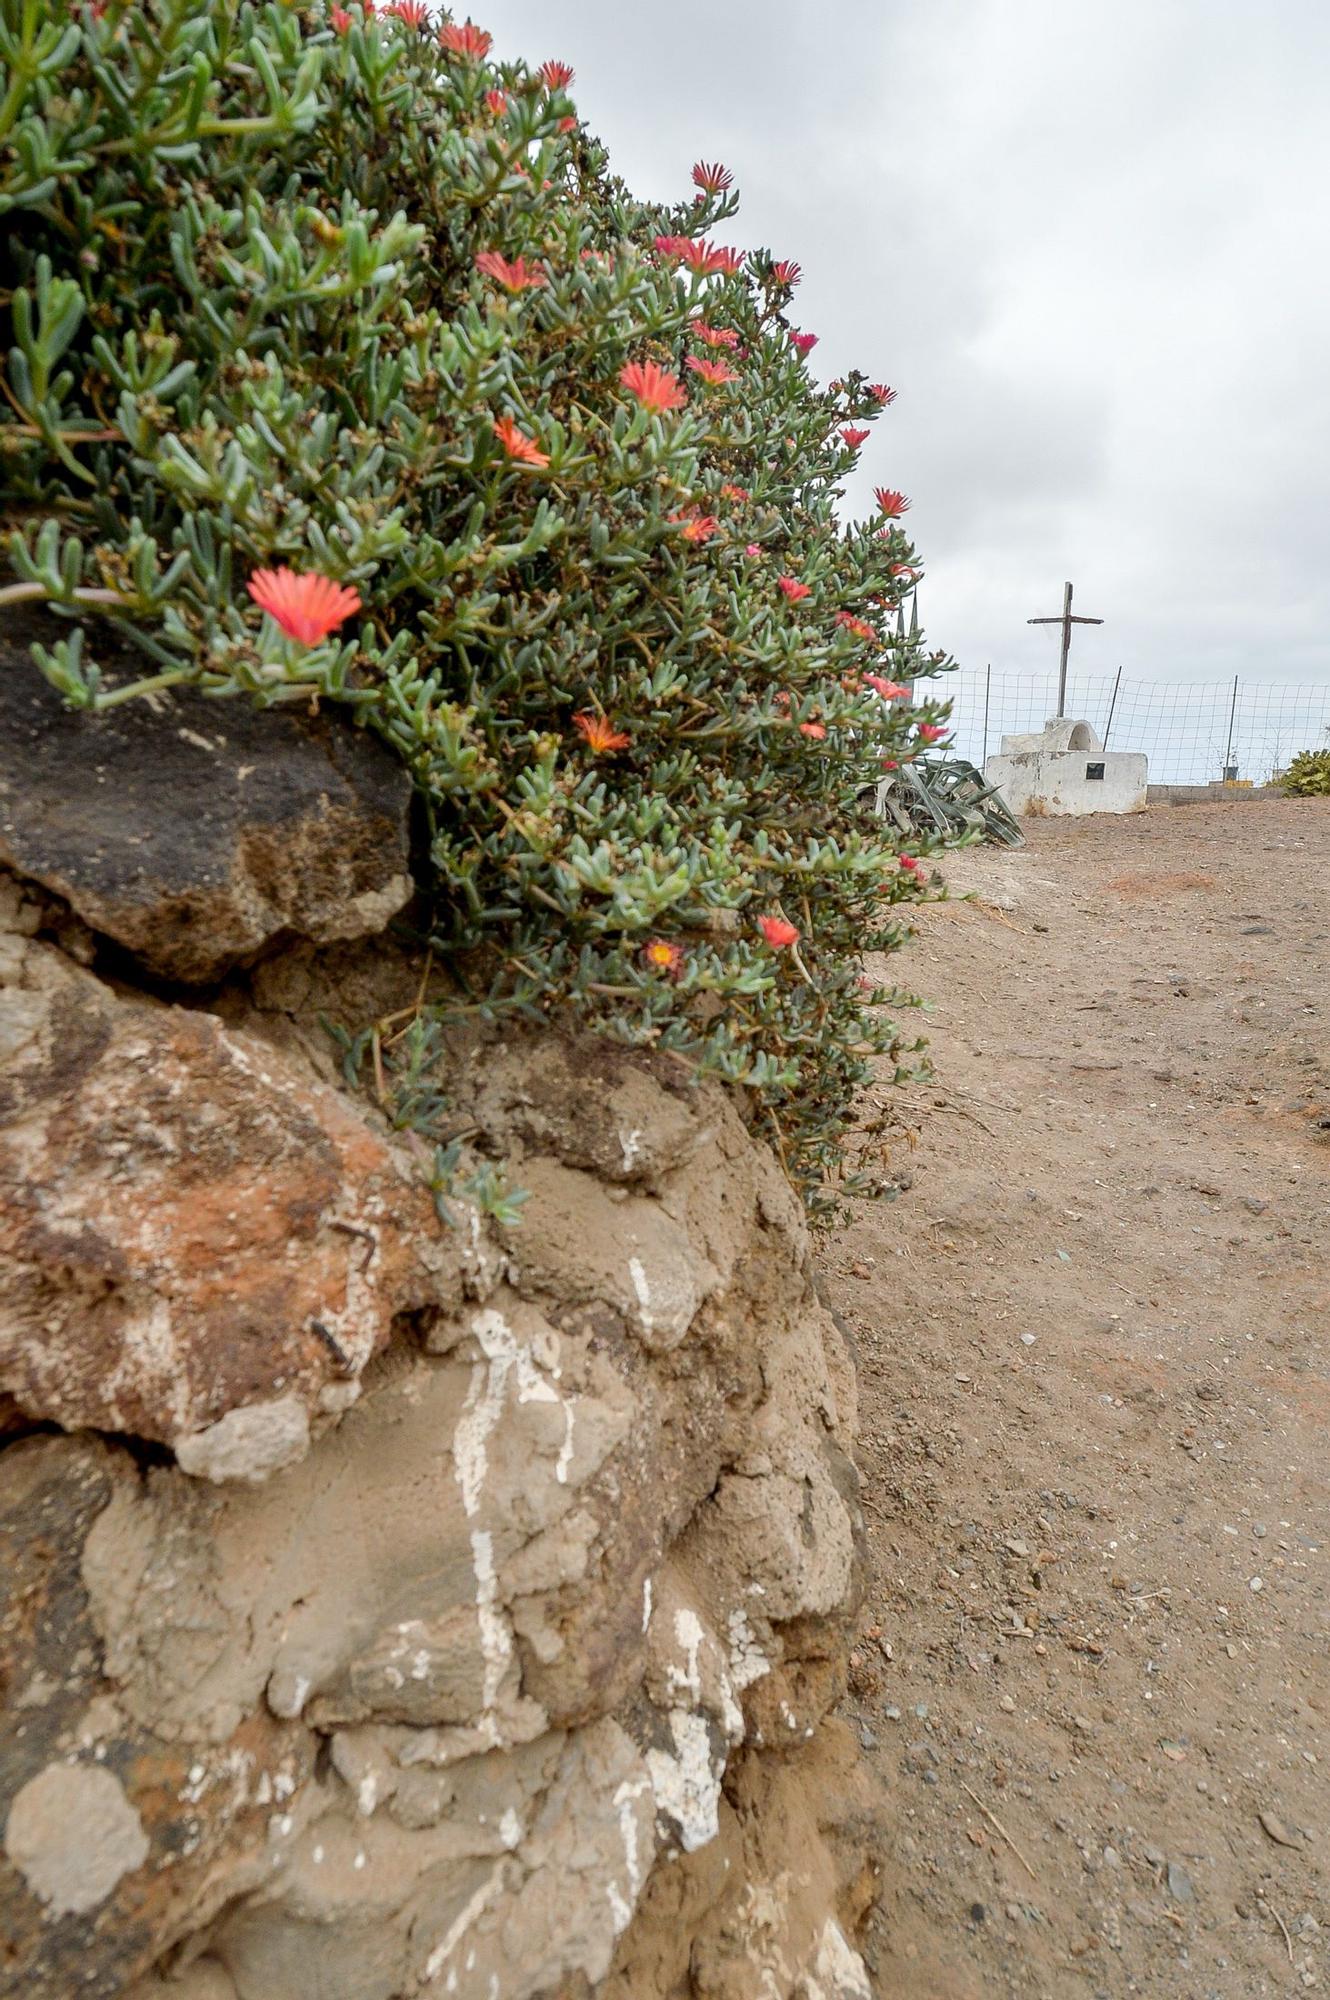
[1094,1336]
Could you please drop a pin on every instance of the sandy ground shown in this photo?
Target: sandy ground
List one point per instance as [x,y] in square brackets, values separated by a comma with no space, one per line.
[1094,1340]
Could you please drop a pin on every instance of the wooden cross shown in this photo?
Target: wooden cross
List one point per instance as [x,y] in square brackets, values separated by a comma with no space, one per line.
[1066,621]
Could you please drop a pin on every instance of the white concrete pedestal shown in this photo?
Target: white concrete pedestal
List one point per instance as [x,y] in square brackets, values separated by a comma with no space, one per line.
[1064,769]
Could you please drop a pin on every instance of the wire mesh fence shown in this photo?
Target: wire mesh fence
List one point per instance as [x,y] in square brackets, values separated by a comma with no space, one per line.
[1192,731]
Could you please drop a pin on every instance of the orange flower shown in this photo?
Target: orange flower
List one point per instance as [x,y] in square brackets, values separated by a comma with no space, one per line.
[308,607]
[889,690]
[791,587]
[859,626]
[414,13]
[777,932]
[714,336]
[814,729]
[497,102]
[729,491]
[697,527]
[468,41]
[654,387]
[556,75]
[340,19]
[712,372]
[517,444]
[600,732]
[519,276]
[662,956]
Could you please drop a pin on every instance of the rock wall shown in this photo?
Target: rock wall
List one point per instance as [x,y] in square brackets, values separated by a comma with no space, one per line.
[389,1608]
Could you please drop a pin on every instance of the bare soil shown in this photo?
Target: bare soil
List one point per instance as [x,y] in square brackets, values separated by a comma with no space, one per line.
[1093,1330]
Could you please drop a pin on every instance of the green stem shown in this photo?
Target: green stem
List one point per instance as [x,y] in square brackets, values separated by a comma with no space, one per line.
[23,593]
[133,688]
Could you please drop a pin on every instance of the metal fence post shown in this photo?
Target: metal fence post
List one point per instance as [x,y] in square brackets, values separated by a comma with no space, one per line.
[988,682]
[1112,705]
[1230,768]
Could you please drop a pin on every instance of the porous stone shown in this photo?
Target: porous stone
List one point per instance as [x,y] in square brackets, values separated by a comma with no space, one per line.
[72,1834]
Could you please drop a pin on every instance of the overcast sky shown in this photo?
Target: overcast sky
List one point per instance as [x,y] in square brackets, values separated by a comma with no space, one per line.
[1089,244]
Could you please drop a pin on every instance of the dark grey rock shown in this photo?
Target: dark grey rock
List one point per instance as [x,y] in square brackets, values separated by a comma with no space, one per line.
[195,831]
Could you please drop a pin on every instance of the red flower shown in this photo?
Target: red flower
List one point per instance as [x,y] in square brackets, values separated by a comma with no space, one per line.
[903,569]
[729,491]
[307,607]
[699,255]
[600,732]
[714,336]
[414,13]
[911,862]
[714,372]
[519,276]
[469,41]
[890,764]
[662,956]
[697,527]
[777,932]
[805,342]
[881,393]
[889,690]
[787,272]
[860,628]
[890,503]
[712,179]
[814,729]
[497,100]
[931,732]
[854,438]
[654,387]
[793,589]
[672,246]
[340,19]
[568,124]
[517,444]
[780,700]
[556,75]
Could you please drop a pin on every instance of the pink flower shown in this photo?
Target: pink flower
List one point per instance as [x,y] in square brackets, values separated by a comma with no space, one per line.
[519,276]
[714,336]
[753,549]
[517,445]
[556,75]
[712,179]
[854,438]
[787,272]
[306,607]
[881,393]
[793,589]
[814,729]
[931,732]
[654,387]
[777,932]
[889,690]
[714,372]
[705,258]
[497,101]
[468,41]
[805,342]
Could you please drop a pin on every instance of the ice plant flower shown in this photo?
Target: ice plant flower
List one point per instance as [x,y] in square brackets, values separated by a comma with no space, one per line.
[931,732]
[787,272]
[777,932]
[413,13]
[697,528]
[519,276]
[890,503]
[881,393]
[707,259]
[654,387]
[497,102]
[340,19]
[306,607]
[753,548]
[853,437]
[911,862]
[805,342]
[791,587]
[889,690]
[662,956]
[714,372]
[859,626]
[816,730]
[517,444]
[890,764]
[556,75]
[568,124]
[600,732]
[729,491]
[712,178]
[714,336]
[468,41]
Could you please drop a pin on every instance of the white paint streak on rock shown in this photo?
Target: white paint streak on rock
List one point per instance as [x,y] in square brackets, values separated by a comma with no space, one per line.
[687,1680]
[475,1906]
[646,1603]
[687,1784]
[623,1901]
